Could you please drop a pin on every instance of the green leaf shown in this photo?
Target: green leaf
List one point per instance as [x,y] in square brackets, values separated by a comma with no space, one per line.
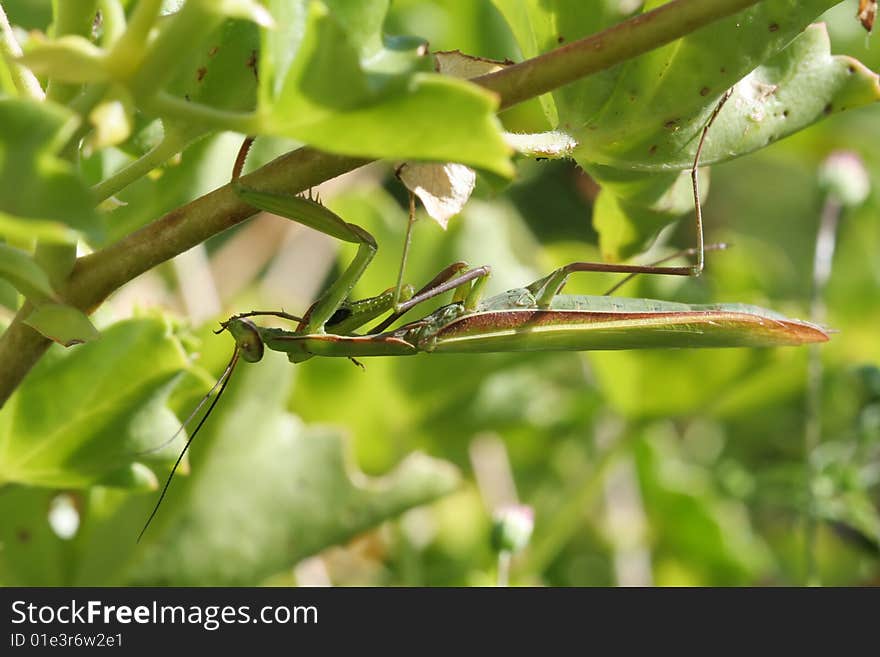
[856,510]
[23,229]
[541,25]
[633,207]
[202,167]
[84,413]
[133,477]
[787,92]
[34,183]
[249,509]
[792,90]
[646,115]
[64,324]
[266,491]
[328,78]
[222,74]
[20,269]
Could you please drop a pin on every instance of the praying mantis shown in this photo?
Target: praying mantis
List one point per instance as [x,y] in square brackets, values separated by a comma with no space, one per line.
[536,317]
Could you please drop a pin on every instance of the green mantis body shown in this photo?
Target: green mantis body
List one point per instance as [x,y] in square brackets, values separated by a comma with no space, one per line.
[516,321]
[537,317]
[533,318]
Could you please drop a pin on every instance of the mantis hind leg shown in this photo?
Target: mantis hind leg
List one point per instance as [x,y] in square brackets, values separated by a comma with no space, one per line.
[697,269]
[548,287]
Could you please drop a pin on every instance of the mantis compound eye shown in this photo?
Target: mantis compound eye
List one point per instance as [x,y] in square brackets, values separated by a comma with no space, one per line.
[247,339]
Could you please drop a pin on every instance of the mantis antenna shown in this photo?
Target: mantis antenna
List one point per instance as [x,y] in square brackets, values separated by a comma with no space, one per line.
[227,374]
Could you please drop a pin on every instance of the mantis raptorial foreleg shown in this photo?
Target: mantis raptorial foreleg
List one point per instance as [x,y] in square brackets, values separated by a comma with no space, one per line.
[331,309]
[314,215]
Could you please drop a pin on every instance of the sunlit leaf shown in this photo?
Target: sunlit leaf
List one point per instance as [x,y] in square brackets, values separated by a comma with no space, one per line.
[91,410]
[328,78]
[646,114]
[252,507]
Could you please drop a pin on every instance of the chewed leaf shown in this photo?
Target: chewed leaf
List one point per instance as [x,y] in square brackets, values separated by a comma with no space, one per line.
[64,324]
[442,188]
[458,65]
[20,269]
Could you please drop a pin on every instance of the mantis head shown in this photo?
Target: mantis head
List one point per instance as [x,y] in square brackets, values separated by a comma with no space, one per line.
[247,338]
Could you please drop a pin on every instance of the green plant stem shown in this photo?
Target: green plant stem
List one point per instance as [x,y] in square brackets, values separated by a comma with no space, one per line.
[83,106]
[603,50]
[129,49]
[502,578]
[825,244]
[70,17]
[25,82]
[568,519]
[113,22]
[170,146]
[166,105]
[97,275]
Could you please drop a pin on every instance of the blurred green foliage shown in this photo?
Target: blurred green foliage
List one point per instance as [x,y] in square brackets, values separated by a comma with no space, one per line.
[668,467]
